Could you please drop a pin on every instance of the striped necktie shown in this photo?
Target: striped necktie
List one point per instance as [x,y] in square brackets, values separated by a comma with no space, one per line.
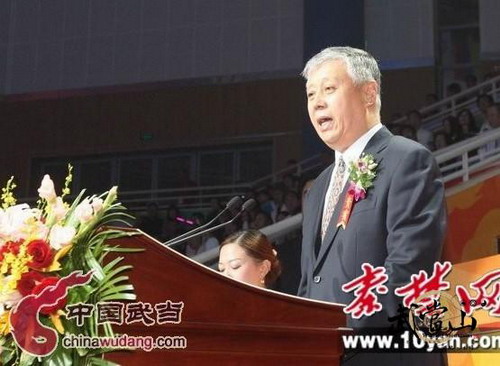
[337,184]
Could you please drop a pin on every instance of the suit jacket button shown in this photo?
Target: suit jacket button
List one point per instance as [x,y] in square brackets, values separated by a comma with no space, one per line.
[317,279]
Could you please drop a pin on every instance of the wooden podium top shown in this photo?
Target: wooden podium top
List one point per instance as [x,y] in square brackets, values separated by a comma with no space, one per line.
[224,321]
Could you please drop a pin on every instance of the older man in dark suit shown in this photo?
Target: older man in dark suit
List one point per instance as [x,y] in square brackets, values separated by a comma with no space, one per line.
[400,223]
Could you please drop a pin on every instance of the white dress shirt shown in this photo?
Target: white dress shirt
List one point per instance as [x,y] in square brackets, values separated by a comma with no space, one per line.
[351,154]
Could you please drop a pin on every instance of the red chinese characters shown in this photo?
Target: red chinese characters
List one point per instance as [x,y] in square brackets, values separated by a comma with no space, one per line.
[365,302]
[487,300]
[420,285]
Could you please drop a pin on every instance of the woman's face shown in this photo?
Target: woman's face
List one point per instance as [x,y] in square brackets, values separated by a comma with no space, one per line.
[463,119]
[234,262]
[447,125]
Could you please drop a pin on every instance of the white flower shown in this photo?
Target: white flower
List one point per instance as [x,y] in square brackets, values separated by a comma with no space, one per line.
[60,236]
[39,230]
[47,190]
[97,204]
[59,209]
[83,212]
[13,222]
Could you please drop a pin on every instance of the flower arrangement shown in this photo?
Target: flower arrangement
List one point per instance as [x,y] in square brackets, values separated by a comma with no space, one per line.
[361,175]
[39,246]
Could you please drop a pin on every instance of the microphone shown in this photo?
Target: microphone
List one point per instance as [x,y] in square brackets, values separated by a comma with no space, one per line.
[233,204]
[247,205]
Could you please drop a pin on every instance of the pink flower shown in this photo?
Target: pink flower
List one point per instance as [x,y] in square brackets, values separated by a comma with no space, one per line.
[358,191]
[362,166]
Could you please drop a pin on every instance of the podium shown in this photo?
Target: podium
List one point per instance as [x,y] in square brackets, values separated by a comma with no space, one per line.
[223,321]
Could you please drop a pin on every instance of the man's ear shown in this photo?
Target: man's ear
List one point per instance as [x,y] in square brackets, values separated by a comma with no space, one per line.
[370,92]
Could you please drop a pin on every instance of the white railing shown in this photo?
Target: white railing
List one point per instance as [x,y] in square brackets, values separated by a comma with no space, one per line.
[465,158]
[455,162]
[435,113]
[199,197]
[300,168]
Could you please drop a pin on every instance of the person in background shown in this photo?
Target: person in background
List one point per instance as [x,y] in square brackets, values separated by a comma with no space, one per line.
[248,256]
[424,136]
[292,203]
[277,195]
[409,132]
[261,220]
[470,81]
[483,101]
[201,243]
[440,140]
[452,130]
[291,182]
[151,223]
[171,227]
[265,203]
[453,89]
[492,122]
[467,123]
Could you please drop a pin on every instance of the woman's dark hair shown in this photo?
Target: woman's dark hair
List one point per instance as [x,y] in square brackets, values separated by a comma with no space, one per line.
[454,134]
[257,246]
[472,121]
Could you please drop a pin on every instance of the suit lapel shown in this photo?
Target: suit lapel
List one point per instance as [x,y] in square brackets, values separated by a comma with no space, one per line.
[332,230]
[376,145]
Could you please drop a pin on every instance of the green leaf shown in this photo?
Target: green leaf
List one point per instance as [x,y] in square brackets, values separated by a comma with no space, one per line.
[95,361]
[61,356]
[116,271]
[112,282]
[124,297]
[117,289]
[26,359]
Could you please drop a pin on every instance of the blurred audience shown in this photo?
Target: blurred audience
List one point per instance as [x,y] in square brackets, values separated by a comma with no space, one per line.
[440,140]
[283,199]
[171,226]
[483,101]
[467,123]
[151,223]
[492,122]
[452,131]
[423,135]
[262,219]
[470,81]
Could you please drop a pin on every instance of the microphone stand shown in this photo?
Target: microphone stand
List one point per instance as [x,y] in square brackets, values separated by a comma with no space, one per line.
[234,203]
[248,205]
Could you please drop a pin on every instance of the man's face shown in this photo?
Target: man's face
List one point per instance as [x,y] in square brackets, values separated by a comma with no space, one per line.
[484,103]
[493,116]
[335,105]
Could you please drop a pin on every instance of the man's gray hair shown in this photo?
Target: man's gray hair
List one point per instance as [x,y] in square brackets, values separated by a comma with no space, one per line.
[360,65]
